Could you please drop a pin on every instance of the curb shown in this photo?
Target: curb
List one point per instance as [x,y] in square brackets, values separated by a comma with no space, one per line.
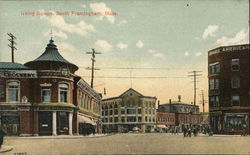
[5,149]
[59,137]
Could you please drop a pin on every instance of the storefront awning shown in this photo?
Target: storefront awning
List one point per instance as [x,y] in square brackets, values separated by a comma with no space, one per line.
[161,126]
[83,119]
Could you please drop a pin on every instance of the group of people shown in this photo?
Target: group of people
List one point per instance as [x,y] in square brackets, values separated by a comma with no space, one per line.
[195,130]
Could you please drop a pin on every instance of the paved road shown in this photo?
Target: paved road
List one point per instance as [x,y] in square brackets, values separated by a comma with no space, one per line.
[130,144]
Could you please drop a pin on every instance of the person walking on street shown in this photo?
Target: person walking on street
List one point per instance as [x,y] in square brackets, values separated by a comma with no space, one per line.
[189,132]
[185,132]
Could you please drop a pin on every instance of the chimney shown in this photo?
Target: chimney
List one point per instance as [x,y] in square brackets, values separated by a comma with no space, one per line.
[158,104]
[179,98]
[169,101]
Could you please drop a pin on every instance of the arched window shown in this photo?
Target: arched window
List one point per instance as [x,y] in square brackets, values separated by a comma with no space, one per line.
[64,92]
[13,91]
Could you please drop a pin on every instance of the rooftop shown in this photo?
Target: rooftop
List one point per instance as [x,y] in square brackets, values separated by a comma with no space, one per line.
[52,54]
[228,48]
[13,66]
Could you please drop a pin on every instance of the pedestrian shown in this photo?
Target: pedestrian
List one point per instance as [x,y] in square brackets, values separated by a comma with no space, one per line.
[184,131]
[189,132]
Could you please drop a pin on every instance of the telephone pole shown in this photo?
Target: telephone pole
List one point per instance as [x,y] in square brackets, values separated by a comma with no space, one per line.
[12,45]
[203,101]
[195,75]
[93,53]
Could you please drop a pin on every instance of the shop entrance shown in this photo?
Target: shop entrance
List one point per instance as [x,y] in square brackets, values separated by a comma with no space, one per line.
[45,123]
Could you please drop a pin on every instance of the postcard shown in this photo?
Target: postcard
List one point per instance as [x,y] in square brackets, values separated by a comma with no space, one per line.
[124,77]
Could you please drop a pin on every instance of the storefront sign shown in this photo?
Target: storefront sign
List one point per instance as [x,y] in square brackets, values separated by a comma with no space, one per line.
[18,74]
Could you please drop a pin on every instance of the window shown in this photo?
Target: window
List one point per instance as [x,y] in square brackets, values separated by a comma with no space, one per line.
[211,84]
[122,111]
[63,90]
[110,112]
[62,121]
[139,119]
[131,111]
[131,119]
[214,68]
[139,111]
[116,119]
[46,94]
[214,101]
[116,112]
[235,82]
[235,64]
[123,119]
[214,84]
[235,100]
[13,91]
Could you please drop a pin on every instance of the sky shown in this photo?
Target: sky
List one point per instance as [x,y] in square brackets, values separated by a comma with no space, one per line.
[151,46]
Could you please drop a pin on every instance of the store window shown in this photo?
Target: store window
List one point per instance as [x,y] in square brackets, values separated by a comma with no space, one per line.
[62,121]
[46,94]
[235,64]
[13,91]
[63,92]
[235,100]
[235,82]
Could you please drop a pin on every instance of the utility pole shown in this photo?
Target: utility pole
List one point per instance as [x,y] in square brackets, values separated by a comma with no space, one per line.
[203,101]
[93,53]
[12,45]
[195,75]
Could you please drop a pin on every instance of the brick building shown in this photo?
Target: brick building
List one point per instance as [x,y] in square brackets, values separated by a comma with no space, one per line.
[229,88]
[184,114]
[41,97]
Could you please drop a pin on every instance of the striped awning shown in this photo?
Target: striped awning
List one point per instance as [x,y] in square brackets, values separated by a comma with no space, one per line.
[161,126]
[84,119]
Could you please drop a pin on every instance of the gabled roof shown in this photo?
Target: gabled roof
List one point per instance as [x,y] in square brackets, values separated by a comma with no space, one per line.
[13,66]
[132,90]
[127,91]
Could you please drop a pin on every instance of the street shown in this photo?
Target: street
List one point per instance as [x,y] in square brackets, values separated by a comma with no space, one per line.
[153,143]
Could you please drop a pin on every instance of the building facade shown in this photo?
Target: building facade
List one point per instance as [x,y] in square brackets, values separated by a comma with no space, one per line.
[229,88]
[131,110]
[37,98]
[185,114]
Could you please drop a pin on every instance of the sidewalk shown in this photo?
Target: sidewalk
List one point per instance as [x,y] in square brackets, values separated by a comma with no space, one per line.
[5,149]
[59,136]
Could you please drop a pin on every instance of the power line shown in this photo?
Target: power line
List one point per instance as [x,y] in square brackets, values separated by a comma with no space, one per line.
[12,45]
[93,53]
[144,68]
[139,77]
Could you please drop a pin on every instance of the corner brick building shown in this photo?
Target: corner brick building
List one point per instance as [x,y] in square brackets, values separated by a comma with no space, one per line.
[45,97]
[177,114]
[229,89]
